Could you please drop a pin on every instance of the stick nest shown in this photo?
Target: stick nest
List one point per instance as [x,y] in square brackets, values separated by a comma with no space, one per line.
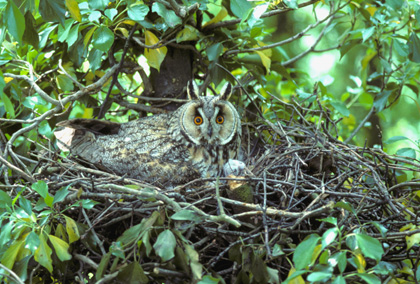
[298,175]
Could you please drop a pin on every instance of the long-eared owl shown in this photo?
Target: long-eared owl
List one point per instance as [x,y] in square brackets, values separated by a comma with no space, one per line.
[195,141]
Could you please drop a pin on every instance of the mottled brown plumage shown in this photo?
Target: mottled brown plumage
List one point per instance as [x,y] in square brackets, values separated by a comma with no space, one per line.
[194,141]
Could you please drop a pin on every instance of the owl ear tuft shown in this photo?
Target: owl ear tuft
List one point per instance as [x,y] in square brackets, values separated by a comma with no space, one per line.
[226,92]
[192,90]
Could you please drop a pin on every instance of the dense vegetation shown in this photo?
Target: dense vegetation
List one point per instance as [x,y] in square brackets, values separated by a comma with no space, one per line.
[332,200]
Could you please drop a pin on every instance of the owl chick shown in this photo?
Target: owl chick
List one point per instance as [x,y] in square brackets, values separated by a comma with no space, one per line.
[195,141]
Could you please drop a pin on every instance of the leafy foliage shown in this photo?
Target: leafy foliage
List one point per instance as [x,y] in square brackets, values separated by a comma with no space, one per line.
[121,59]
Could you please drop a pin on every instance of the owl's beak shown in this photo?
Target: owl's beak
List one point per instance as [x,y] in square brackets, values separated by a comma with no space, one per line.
[210,131]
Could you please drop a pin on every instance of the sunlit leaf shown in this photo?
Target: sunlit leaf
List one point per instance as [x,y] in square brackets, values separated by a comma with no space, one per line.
[71,229]
[341,108]
[220,16]
[103,38]
[43,254]
[154,56]
[369,278]
[188,33]
[98,4]
[74,10]
[61,248]
[329,236]
[61,194]
[9,257]
[169,16]
[10,110]
[41,187]
[302,256]
[369,246]
[111,13]
[165,245]
[240,8]
[208,279]
[291,3]
[137,12]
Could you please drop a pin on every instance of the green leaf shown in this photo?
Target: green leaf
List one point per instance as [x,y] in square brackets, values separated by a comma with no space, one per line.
[395,4]
[341,108]
[208,279]
[61,248]
[103,38]
[240,8]
[165,245]
[52,10]
[10,110]
[74,10]
[319,276]
[400,48]
[414,48]
[188,33]
[43,253]
[340,260]
[369,246]
[155,56]
[329,236]
[71,229]
[61,194]
[117,250]
[9,257]
[5,200]
[186,215]
[395,139]
[88,203]
[302,256]
[136,232]
[32,242]
[277,251]
[137,12]
[339,280]
[169,16]
[98,4]
[25,204]
[132,273]
[407,152]
[291,4]
[412,240]
[367,33]
[95,59]
[15,22]
[111,13]
[30,36]
[345,205]
[369,278]
[330,219]
[100,271]
[214,51]
[63,32]
[41,187]
[381,100]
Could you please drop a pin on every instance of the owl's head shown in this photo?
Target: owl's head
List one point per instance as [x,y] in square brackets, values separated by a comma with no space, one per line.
[210,119]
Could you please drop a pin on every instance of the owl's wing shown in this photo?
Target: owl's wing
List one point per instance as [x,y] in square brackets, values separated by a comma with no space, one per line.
[140,149]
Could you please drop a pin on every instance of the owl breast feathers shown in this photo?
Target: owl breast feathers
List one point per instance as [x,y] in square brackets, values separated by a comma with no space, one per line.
[195,141]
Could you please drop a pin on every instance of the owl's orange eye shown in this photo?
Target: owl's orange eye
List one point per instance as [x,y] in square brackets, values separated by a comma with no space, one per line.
[220,119]
[198,120]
